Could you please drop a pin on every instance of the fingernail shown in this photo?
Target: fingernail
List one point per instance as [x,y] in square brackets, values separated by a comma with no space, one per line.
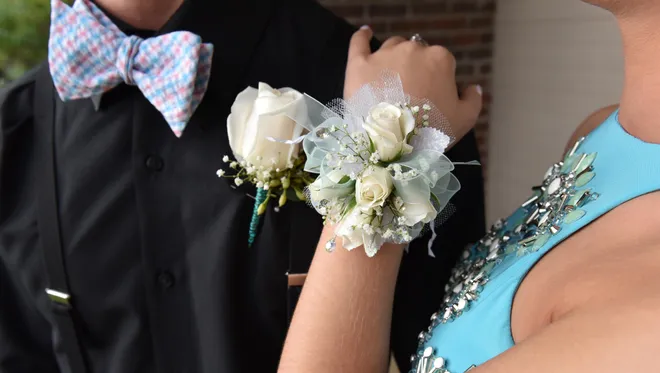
[480,90]
[365,27]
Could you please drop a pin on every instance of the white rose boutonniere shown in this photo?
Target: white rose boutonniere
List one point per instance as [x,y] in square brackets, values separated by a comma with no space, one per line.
[259,115]
[265,141]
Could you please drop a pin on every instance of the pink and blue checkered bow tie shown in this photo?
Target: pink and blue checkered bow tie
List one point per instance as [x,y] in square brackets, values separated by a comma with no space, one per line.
[89,55]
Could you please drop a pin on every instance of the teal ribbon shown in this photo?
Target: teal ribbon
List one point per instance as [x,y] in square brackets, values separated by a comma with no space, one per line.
[254,224]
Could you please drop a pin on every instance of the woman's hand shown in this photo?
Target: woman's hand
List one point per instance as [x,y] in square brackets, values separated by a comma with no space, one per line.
[427,72]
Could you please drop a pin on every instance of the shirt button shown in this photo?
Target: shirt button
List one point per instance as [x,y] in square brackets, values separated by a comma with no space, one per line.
[166,279]
[154,163]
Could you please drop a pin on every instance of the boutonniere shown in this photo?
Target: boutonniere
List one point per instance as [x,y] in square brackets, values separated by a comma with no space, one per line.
[265,134]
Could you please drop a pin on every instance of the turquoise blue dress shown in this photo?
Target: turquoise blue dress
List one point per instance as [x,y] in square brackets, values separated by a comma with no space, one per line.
[473,325]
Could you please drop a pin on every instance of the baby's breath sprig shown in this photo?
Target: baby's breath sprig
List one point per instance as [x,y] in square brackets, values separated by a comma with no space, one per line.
[421,114]
[281,184]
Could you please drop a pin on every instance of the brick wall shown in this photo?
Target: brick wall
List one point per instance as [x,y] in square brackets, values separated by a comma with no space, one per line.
[463,26]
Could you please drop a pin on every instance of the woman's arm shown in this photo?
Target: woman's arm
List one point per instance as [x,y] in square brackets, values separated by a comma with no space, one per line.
[342,321]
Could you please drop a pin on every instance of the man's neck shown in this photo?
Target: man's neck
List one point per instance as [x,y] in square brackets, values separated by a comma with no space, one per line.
[640,103]
[142,14]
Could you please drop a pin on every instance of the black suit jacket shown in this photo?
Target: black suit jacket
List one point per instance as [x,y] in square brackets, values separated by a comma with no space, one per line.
[154,244]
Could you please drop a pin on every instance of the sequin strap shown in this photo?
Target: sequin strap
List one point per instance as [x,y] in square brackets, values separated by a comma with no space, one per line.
[429,362]
[557,203]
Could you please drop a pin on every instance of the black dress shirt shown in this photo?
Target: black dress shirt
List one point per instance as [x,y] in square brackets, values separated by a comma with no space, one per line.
[155,244]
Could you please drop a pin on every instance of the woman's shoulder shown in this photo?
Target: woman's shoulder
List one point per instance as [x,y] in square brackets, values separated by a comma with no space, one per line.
[594,120]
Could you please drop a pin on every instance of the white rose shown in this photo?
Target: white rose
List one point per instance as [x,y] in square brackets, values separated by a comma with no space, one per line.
[388,127]
[373,187]
[415,210]
[351,231]
[327,187]
[259,114]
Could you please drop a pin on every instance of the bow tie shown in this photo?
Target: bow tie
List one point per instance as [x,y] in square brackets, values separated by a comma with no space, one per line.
[89,55]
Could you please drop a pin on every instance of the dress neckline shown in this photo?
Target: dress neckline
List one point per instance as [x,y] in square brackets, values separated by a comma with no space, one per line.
[615,117]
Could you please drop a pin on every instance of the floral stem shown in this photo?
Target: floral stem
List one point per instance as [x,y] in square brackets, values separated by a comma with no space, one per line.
[262,194]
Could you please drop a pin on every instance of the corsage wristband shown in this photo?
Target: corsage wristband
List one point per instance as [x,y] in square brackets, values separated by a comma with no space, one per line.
[382,170]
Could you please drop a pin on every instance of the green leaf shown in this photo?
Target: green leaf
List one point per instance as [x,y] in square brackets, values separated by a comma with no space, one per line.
[435,199]
[295,193]
[344,180]
[397,158]
[349,207]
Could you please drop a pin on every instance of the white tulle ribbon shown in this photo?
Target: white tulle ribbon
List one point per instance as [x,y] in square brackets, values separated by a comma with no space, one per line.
[373,201]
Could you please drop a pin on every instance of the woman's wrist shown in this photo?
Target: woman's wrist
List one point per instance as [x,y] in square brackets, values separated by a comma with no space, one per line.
[347,299]
[391,253]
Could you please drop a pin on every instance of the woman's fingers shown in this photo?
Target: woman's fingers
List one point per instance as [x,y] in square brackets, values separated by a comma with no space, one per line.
[471,104]
[392,42]
[360,46]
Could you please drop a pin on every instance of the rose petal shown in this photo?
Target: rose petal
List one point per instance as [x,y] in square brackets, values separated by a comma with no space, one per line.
[387,117]
[272,153]
[406,149]
[422,211]
[384,141]
[274,110]
[351,238]
[373,188]
[407,122]
[237,120]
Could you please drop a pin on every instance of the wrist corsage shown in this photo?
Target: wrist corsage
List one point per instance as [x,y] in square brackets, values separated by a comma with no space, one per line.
[382,170]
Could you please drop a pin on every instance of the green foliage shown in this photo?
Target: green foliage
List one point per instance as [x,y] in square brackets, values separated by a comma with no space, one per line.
[23,35]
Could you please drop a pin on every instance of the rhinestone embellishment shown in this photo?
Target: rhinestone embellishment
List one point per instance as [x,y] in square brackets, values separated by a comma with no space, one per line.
[553,204]
[427,362]
[331,245]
